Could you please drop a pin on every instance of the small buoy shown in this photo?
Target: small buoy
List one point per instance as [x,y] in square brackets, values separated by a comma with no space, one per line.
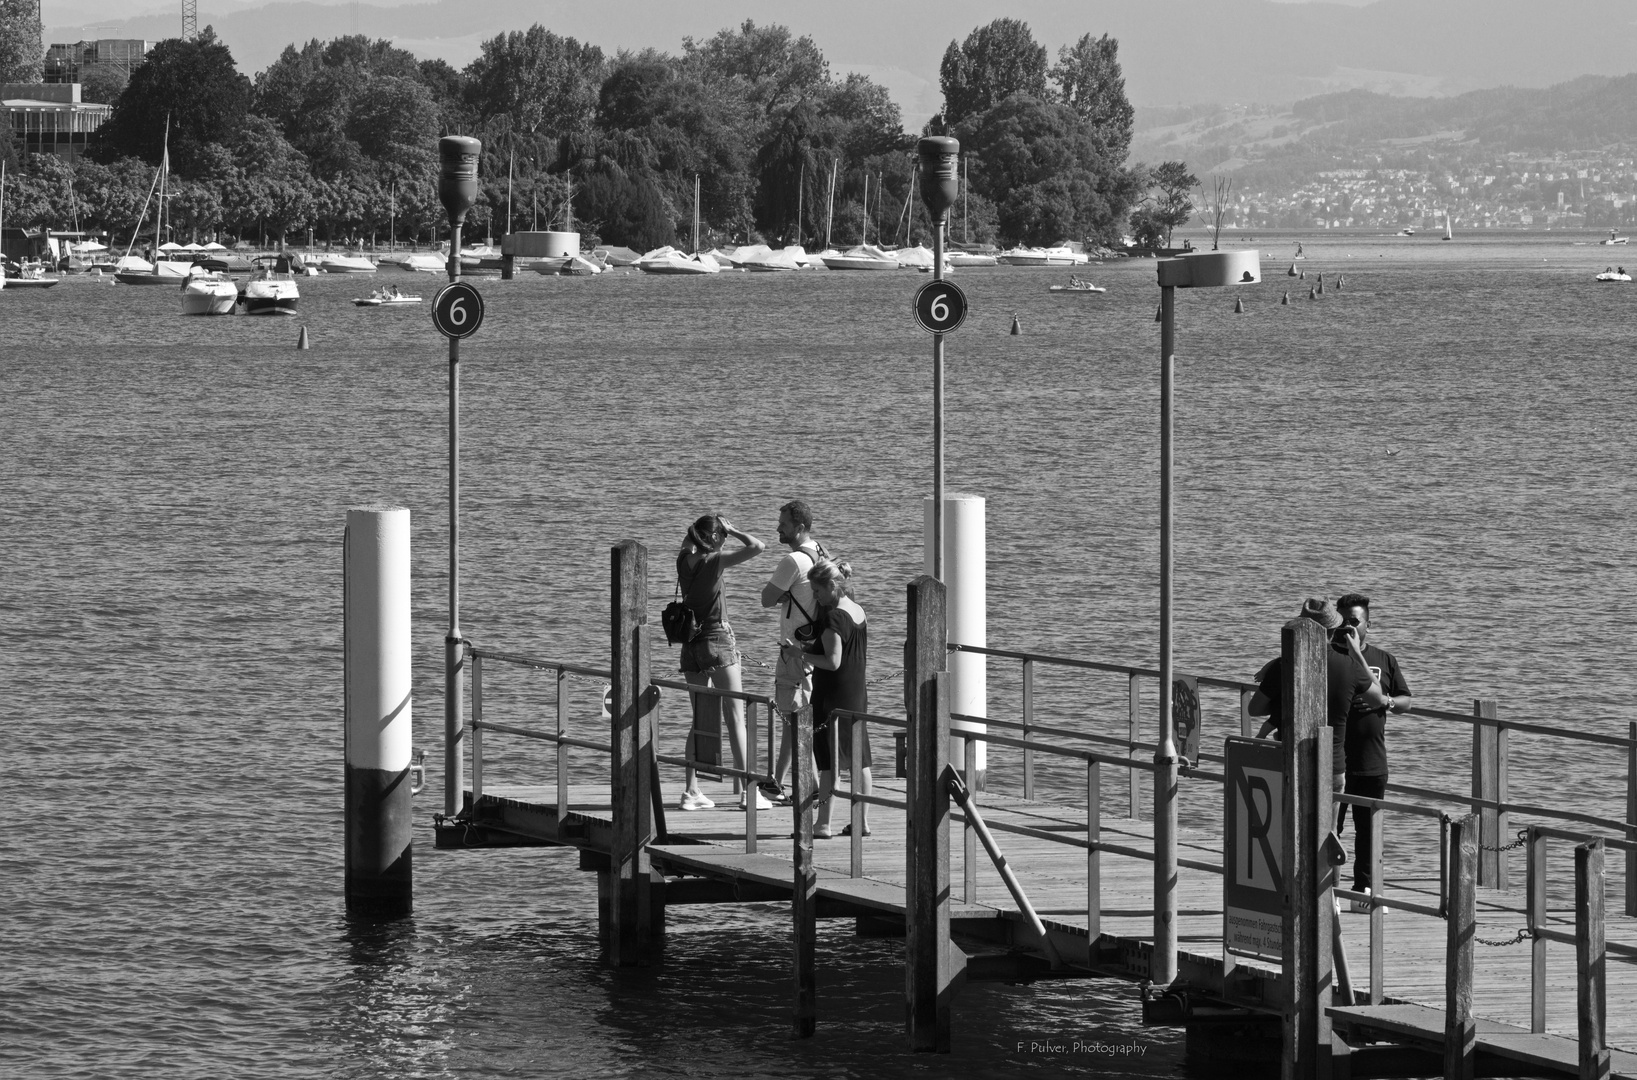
[1292,271]
[301,342]
[1286,301]
[1017,327]
[1321,284]
[1159,313]
[1340,282]
[1302,275]
[1312,293]
[1239,306]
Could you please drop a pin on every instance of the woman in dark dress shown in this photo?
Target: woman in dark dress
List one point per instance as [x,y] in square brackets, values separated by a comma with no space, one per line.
[840,660]
[711,657]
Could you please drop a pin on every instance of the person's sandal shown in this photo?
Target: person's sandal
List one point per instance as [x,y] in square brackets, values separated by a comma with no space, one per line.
[847,830]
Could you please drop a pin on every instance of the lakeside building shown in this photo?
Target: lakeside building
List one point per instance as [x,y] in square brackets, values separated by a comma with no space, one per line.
[50,118]
[70,63]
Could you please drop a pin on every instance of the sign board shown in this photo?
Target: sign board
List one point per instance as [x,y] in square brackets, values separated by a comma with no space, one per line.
[1253,879]
[457,310]
[940,307]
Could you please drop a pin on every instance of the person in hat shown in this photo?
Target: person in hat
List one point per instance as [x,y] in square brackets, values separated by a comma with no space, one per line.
[1348,678]
[1367,735]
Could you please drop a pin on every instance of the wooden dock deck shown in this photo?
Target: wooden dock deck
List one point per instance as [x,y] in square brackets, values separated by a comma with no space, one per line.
[704,860]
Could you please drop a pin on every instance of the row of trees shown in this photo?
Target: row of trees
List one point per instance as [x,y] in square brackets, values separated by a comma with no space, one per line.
[340,136]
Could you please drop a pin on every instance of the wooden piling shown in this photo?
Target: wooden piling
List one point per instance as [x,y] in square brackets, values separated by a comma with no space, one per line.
[929,975]
[804,900]
[1460,1030]
[1308,911]
[1631,818]
[1489,753]
[629,929]
[1591,987]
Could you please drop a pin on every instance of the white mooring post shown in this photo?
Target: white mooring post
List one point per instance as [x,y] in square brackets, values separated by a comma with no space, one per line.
[965,566]
[376,650]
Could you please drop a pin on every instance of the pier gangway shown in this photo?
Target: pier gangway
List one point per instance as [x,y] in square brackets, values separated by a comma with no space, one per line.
[1042,880]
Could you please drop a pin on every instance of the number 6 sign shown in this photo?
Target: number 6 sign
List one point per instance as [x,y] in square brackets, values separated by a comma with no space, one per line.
[457,310]
[939,307]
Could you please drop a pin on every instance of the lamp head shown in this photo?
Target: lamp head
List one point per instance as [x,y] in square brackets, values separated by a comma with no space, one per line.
[457,175]
[940,174]
[1204,269]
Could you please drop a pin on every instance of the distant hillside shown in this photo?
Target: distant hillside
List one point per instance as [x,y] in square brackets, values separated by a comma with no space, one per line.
[1357,128]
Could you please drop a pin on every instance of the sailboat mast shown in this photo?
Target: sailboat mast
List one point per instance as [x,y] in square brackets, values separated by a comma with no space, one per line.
[392,217]
[830,207]
[696,213]
[965,213]
[866,238]
[508,192]
[801,184]
[159,212]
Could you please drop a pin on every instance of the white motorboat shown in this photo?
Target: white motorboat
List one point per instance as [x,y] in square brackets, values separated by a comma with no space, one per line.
[207,293]
[1612,274]
[916,258]
[29,275]
[346,264]
[427,262]
[773,261]
[387,297]
[668,260]
[1615,239]
[1027,256]
[568,266]
[272,291]
[964,259]
[863,257]
[1076,285]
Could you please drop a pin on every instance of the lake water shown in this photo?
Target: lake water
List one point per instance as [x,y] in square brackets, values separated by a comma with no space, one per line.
[1451,432]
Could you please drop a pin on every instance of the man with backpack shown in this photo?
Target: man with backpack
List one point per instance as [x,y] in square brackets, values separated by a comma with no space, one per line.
[789,590]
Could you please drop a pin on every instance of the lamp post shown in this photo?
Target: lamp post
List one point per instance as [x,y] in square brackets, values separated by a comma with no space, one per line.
[457,189]
[1198,270]
[940,186]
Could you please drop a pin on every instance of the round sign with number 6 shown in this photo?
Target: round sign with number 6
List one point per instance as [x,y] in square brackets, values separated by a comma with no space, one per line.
[457,310]
[939,307]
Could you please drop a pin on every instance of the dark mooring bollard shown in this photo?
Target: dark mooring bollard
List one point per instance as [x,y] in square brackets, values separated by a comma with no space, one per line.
[301,339]
[1239,305]
[1286,301]
[1017,327]
[1312,293]
[376,704]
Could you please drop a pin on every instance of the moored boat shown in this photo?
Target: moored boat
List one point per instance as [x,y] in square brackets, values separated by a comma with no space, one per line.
[208,293]
[1613,274]
[964,259]
[668,260]
[387,297]
[346,264]
[273,290]
[862,257]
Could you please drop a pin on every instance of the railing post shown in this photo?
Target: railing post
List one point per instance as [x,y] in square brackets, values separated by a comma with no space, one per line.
[1247,722]
[1591,997]
[1535,916]
[804,900]
[1489,783]
[1309,909]
[855,809]
[1378,913]
[1132,716]
[1631,818]
[1460,1031]
[630,933]
[929,968]
[969,839]
[562,751]
[1028,729]
[750,784]
[1094,858]
[477,729]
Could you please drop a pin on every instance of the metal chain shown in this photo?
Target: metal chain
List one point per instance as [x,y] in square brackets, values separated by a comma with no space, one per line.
[1525,934]
[1523,838]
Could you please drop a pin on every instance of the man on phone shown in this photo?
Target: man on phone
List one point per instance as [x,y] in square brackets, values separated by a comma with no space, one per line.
[1367,733]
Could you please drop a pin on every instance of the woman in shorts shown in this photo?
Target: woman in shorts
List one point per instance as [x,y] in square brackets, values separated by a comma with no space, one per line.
[840,659]
[711,657]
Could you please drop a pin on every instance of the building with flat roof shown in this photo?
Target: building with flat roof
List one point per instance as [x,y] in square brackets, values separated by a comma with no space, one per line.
[69,63]
[50,118]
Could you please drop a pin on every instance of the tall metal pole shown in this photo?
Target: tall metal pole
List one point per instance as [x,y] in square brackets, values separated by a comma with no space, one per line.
[1163,966]
[936,169]
[457,188]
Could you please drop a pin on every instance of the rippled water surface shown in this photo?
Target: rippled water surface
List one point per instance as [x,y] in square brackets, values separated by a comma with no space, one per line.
[1449,432]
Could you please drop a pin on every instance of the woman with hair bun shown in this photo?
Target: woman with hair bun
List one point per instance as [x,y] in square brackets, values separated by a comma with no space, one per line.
[840,659]
[711,657]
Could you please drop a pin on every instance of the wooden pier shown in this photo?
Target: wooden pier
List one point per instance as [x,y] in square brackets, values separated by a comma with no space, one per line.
[1460,973]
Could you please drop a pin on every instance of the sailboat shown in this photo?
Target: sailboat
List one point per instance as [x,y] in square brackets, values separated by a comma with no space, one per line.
[668,260]
[1449,233]
[134,271]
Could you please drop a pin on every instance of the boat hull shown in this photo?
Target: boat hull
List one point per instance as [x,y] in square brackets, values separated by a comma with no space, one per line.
[258,299]
[29,283]
[844,262]
[216,300]
[136,277]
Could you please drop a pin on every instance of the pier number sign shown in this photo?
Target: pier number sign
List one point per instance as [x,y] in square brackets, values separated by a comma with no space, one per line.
[1253,843]
[457,310]
[940,307]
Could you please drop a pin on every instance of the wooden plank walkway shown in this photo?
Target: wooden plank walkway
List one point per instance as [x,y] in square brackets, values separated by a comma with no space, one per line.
[1053,877]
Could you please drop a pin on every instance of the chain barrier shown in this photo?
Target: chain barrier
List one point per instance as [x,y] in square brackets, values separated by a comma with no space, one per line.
[1523,935]
[1523,838]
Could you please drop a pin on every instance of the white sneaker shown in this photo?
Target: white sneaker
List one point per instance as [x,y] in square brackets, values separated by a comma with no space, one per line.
[693,800]
[762,802]
[1361,907]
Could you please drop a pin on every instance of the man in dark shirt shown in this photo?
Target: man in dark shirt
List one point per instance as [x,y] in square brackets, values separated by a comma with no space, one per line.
[1348,680]
[1367,734]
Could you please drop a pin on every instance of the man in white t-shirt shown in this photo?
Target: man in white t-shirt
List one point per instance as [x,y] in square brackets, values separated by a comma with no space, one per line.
[790,591]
